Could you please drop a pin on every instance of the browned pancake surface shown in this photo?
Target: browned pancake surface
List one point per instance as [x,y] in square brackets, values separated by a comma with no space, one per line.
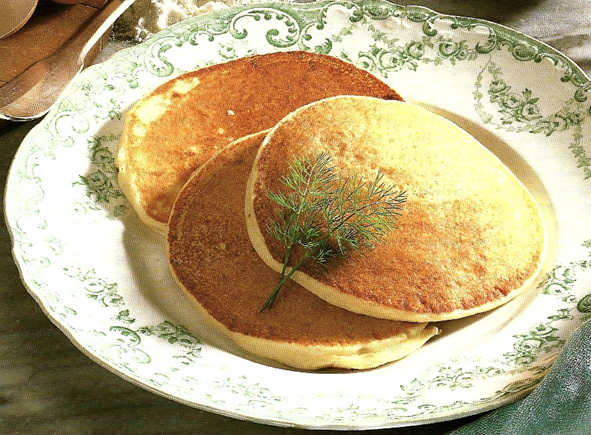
[213,259]
[181,124]
[470,236]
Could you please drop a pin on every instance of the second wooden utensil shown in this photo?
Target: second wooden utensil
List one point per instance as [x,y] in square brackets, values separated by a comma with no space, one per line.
[32,93]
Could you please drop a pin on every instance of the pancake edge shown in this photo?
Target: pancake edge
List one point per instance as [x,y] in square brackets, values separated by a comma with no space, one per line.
[350,302]
[126,181]
[354,356]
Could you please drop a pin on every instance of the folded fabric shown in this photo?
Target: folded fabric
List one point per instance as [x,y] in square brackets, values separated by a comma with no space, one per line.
[561,404]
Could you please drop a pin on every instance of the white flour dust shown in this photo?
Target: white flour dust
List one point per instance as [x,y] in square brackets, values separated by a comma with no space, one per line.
[146,17]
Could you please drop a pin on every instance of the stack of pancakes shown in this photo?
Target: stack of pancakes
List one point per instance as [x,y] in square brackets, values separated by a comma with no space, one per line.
[176,128]
[470,238]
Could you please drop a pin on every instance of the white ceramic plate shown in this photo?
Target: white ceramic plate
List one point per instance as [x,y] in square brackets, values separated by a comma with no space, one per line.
[101,275]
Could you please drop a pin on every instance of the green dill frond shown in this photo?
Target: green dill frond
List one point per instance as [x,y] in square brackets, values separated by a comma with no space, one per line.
[329,215]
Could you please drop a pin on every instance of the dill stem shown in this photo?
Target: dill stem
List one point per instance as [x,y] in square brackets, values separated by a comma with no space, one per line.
[286,260]
[284,277]
[352,211]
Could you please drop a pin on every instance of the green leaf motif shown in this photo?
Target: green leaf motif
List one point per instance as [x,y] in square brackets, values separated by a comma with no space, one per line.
[96,288]
[172,333]
[126,349]
[250,391]
[384,61]
[561,279]
[176,335]
[558,281]
[109,108]
[461,378]
[584,305]
[539,339]
[124,317]
[156,62]
[286,35]
[101,184]
[519,111]
[377,11]
[562,314]
[100,290]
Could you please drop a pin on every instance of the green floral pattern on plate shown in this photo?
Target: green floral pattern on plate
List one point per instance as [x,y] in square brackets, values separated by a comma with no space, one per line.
[102,276]
[101,183]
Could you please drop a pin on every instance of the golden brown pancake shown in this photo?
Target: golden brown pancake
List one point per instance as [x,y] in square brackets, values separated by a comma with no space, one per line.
[470,238]
[212,259]
[177,127]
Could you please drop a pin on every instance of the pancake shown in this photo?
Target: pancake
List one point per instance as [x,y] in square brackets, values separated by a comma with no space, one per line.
[470,238]
[213,261]
[182,123]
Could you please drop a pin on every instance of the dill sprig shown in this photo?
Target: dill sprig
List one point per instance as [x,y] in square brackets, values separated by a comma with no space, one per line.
[328,215]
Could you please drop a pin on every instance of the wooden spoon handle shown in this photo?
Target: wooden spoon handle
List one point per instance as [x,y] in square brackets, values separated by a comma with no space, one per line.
[86,39]
[32,93]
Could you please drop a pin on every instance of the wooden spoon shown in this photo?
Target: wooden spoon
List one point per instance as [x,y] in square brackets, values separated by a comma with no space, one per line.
[32,93]
[15,14]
